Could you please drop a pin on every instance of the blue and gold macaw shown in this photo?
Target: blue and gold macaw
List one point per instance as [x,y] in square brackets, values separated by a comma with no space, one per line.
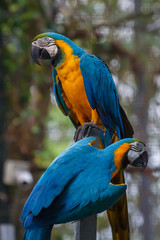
[83,85]
[78,184]
[85,91]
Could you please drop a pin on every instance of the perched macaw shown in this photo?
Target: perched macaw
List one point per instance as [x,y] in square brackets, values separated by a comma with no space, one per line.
[78,184]
[85,91]
[83,85]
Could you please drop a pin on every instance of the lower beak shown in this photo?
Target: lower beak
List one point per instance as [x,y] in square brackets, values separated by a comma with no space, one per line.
[40,55]
[141,161]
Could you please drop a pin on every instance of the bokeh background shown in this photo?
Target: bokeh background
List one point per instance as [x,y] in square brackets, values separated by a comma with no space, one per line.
[33,131]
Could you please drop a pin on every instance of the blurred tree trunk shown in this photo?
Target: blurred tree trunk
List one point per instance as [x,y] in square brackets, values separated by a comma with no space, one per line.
[141,106]
[4,217]
[6,229]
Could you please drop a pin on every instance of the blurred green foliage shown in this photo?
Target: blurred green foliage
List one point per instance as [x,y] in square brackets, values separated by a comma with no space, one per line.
[58,137]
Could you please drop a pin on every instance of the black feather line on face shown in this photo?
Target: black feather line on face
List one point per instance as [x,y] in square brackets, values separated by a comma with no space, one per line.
[58,57]
[125,161]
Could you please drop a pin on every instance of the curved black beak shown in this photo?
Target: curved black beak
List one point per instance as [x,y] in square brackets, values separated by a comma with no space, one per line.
[141,161]
[39,53]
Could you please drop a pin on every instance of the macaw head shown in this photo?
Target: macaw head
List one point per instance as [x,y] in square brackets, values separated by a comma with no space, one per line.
[53,48]
[137,154]
[130,151]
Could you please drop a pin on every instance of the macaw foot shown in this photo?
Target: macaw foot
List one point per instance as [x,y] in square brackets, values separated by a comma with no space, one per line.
[141,161]
[88,129]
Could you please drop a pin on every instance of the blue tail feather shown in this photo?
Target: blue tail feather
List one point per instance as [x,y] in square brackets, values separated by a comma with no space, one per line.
[38,234]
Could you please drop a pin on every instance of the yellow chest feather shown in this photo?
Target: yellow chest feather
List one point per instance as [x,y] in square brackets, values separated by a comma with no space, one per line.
[72,84]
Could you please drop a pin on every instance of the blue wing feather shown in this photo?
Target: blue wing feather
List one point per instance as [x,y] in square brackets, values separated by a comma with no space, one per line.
[101,91]
[53,180]
[58,94]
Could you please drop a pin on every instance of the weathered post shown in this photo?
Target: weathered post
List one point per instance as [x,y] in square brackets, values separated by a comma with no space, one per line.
[86,229]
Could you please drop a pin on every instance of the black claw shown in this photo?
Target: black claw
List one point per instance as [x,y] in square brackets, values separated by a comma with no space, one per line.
[141,161]
[88,129]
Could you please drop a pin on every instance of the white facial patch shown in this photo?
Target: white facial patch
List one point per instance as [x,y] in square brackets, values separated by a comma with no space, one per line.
[137,148]
[47,43]
[132,155]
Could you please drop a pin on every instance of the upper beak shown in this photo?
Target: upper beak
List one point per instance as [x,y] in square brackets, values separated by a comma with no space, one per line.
[141,161]
[38,53]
